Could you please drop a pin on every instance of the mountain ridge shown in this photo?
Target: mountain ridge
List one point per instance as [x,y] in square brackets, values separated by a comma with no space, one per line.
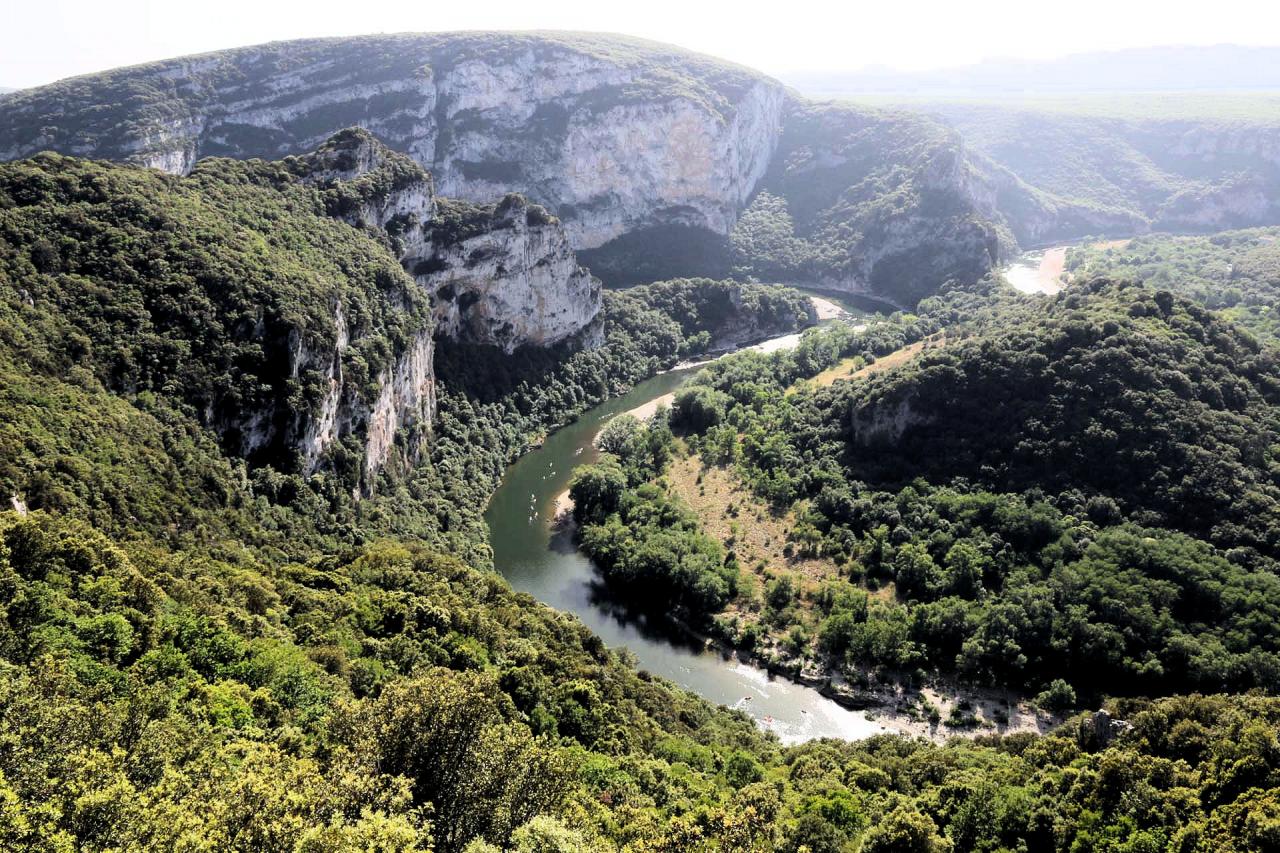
[620,139]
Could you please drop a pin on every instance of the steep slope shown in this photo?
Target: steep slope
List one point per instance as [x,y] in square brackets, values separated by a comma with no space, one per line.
[231,290]
[503,274]
[243,292]
[608,132]
[874,201]
[499,275]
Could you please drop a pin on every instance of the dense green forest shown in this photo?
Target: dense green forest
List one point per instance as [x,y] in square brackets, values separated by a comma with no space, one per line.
[1236,273]
[208,647]
[160,700]
[1048,496]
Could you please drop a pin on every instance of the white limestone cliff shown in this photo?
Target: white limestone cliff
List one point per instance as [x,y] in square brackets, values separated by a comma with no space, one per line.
[500,275]
[516,282]
[609,133]
[509,278]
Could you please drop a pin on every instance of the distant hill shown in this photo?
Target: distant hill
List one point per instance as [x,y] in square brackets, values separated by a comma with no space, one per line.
[1155,69]
[1168,138]
[1089,392]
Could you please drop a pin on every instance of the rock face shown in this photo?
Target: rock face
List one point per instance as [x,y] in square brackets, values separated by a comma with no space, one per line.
[639,150]
[646,156]
[877,202]
[500,274]
[508,278]
[406,399]
[1100,729]
[609,133]
[885,422]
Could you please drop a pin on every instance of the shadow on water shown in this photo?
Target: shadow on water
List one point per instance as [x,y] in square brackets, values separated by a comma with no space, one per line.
[651,626]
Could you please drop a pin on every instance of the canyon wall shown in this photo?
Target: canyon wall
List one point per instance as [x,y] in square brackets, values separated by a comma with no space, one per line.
[609,133]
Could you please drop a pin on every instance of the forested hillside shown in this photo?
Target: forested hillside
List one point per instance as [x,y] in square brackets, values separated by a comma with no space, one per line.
[849,198]
[1078,496]
[200,632]
[1133,394]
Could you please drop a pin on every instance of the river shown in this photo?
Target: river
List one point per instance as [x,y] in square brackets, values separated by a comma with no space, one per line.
[537,559]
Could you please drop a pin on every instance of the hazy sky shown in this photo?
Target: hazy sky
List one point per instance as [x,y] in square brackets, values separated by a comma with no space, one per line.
[44,40]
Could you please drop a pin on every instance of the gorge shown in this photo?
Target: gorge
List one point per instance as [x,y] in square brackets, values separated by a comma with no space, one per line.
[303,347]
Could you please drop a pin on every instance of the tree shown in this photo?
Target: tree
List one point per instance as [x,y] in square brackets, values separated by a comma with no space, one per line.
[1059,697]
[814,834]
[597,490]
[698,408]
[618,433]
[905,830]
[443,731]
[741,769]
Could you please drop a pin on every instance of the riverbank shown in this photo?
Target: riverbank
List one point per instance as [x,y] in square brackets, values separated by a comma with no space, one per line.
[532,535]
[537,556]
[938,710]
[731,514]
[1038,272]
[826,309]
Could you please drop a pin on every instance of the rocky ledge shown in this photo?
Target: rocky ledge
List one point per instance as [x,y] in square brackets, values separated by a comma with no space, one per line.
[499,274]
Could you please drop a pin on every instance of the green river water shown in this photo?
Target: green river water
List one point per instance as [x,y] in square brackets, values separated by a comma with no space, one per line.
[542,561]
